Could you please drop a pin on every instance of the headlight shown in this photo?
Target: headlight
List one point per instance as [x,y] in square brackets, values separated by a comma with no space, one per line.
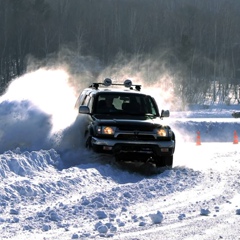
[162,132]
[106,130]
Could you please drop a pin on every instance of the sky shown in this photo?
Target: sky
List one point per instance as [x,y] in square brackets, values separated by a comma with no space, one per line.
[52,189]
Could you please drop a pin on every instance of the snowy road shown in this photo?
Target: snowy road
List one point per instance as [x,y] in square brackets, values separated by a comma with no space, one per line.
[96,200]
[218,192]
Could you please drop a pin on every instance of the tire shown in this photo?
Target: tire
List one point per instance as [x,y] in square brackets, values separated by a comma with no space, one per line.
[88,143]
[166,161]
[174,139]
[118,158]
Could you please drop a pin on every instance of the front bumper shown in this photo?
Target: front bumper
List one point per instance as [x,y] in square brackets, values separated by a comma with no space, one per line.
[141,149]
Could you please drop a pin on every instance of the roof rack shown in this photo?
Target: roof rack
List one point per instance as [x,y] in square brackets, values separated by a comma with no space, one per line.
[108,82]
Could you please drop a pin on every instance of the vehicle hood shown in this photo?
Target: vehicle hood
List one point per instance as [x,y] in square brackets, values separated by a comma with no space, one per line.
[126,120]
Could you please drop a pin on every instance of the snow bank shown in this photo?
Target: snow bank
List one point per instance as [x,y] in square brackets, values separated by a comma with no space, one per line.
[101,197]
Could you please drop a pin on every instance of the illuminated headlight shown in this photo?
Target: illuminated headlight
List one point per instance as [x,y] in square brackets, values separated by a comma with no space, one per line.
[106,130]
[162,132]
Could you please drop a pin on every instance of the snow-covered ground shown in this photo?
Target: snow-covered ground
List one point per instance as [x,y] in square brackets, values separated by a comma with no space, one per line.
[50,189]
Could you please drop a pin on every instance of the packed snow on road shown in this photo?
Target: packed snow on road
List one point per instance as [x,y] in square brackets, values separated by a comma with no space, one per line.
[52,189]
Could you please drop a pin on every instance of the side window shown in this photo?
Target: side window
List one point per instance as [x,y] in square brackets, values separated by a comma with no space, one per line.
[86,100]
[90,103]
[79,101]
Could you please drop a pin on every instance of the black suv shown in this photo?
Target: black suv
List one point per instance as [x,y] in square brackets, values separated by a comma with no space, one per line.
[120,120]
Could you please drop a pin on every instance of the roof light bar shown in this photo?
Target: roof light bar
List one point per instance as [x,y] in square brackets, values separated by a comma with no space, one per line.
[108,82]
[127,83]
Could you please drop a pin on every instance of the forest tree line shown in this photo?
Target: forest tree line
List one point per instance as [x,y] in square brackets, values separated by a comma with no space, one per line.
[197,40]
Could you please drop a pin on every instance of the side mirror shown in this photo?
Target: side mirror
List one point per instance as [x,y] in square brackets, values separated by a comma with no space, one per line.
[165,113]
[84,110]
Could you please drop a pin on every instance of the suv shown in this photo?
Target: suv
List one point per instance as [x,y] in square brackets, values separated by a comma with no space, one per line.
[120,120]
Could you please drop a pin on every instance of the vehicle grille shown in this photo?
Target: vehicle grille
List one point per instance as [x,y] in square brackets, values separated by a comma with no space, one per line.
[135,128]
[135,137]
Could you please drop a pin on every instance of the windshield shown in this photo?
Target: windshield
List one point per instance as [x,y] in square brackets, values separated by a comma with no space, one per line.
[124,103]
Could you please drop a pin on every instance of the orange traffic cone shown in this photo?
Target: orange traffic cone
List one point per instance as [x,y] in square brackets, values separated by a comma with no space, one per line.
[198,142]
[235,137]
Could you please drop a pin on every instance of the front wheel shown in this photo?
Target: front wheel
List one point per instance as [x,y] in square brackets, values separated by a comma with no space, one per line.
[88,143]
[166,161]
